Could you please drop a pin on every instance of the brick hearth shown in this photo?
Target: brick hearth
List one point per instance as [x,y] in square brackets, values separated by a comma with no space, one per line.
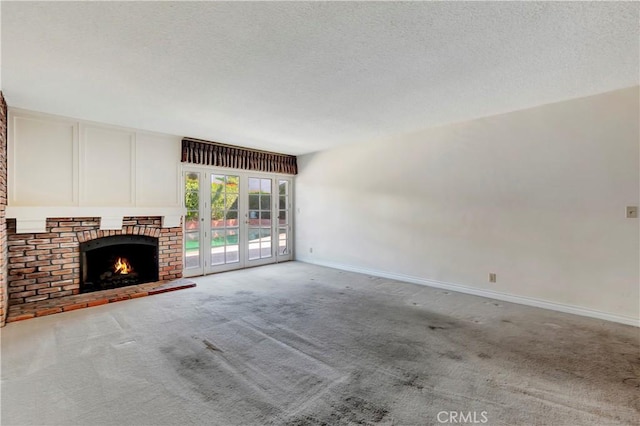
[70,303]
[43,267]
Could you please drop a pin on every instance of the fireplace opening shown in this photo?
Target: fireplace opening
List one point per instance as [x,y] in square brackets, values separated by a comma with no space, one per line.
[118,261]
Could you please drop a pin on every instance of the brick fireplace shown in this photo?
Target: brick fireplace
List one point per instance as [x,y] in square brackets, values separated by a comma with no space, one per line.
[46,265]
[69,183]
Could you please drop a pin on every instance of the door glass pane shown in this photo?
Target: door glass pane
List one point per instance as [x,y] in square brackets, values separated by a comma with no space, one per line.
[254,235]
[284,212]
[224,219]
[218,237]
[254,185]
[231,201]
[265,186]
[282,241]
[265,243]
[217,184]
[265,219]
[259,218]
[254,202]
[265,202]
[192,200]
[232,236]
[217,254]
[233,183]
[254,243]
[217,218]
[192,249]
[192,220]
[231,253]
[231,218]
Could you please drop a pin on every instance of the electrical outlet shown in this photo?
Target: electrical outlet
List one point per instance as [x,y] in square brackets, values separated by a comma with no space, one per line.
[492,277]
[310,249]
[632,212]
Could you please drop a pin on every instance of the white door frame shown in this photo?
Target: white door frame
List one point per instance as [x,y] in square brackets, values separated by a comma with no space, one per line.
[205,229]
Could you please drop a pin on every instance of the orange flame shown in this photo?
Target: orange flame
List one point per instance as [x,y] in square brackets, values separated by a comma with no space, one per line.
[123,266]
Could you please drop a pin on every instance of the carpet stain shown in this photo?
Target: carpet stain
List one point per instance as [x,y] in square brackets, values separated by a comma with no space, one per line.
[413,381]
[211,346]
[351,410]
[632,381]
[451,355]
[359,411]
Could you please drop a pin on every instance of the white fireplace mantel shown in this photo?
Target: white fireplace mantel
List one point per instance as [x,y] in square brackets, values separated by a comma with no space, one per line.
[34,219]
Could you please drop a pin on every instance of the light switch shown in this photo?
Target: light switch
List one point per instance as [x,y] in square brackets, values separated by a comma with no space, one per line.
[632,212]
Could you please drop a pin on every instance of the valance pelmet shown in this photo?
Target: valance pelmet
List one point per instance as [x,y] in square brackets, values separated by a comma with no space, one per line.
[198,151]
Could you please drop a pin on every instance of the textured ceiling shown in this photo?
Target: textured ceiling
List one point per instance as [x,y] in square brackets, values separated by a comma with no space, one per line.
[301,77]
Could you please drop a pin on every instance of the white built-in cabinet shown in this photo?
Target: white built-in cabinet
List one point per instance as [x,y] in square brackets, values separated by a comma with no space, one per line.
[62,167]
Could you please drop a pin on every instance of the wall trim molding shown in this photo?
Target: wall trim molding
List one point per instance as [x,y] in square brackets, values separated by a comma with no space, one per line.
[522,300]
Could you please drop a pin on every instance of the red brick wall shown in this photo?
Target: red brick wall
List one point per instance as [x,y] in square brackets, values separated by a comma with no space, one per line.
[4,305]
[47,265]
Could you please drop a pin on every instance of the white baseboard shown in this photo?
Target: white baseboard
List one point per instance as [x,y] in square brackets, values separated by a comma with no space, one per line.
[529,301]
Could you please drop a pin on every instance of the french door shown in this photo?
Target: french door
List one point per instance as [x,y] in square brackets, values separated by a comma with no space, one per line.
[235,219]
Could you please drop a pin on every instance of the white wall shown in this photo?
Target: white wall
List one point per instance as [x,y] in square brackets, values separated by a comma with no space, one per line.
[64,167]
[536,196]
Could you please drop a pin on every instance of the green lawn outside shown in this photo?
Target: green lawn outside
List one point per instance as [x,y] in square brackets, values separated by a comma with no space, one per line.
[215,242]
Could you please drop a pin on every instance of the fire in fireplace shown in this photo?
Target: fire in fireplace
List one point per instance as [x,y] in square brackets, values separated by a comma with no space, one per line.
[118,261]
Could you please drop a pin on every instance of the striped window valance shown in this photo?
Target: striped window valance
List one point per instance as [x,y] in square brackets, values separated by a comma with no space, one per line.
[197,151]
